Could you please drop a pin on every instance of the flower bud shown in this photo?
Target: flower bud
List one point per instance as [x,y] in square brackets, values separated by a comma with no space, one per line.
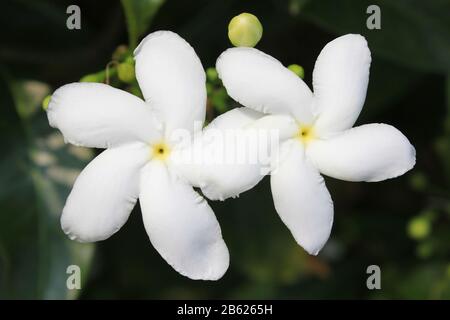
[46,101]
[125,72]
[245,30]
[91,78]
[419,228]
[211,74]
[298,70]
[120,53]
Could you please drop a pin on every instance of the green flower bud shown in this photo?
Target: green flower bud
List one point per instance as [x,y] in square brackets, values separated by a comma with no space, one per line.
[219,100]
[46,101]
[211,74]
[91,78]
[419,228]
[298,70]
[245,30]
[125,72]
[120,52]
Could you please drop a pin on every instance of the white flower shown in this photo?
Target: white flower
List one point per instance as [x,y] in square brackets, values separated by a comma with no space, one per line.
[323,139]
[137,163]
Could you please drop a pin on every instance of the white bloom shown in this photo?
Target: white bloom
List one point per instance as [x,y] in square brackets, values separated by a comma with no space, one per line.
[137,163]
[323,139]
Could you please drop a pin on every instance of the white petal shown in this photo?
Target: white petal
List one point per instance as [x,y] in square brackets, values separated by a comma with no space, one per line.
[100,116]
[340,79]
[259,81]
[235,118]
[104,194]
[172,79]
[181,225]
[372,152]
[302,199]
[234,152]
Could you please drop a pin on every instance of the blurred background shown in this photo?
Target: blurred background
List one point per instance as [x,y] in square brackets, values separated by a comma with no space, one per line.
[401,225]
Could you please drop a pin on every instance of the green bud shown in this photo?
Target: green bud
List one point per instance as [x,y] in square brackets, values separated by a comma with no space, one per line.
[120,52]
[130,60]
[91,78]
[219,100]
[298,70]
[46,101]
[245,30]
[419,228]
[125,72]
[211,74]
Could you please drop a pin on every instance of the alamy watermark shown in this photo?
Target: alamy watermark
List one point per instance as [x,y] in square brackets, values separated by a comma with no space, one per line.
[73,22]
[374,279]
[73,281]
[373,22]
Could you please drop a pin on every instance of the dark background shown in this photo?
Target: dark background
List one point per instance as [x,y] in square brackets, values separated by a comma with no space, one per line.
[402,225]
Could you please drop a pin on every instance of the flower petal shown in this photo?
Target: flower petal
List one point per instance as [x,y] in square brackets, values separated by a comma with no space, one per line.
[372,152]
[234,152]
[235,118]
[259,81]
[181,225]
[302,199]
[100,116]
[172,79]
[104,194]
[340,79]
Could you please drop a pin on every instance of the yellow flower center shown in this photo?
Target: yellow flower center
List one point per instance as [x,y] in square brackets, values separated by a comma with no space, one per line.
[306,133]
[160,151]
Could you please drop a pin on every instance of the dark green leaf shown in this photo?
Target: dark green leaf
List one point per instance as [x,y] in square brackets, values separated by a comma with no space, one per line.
[139,15]
[413,33]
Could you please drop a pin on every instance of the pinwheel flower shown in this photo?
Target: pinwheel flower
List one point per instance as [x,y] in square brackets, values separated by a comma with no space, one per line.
[139,139]
[323,141]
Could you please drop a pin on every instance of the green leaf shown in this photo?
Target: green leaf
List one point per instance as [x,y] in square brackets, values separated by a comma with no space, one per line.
[414,33]
[139,15]
[36,177]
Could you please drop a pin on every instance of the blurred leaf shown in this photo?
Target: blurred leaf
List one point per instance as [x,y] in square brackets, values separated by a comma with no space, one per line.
[413,33]
[40,169]
[139,15]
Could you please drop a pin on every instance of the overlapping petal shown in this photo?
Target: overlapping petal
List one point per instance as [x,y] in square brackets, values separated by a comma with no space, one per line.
[234,152]
[301,198]
[104,193]
[181,225]
[172,79]
[372,152]
[259,81]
